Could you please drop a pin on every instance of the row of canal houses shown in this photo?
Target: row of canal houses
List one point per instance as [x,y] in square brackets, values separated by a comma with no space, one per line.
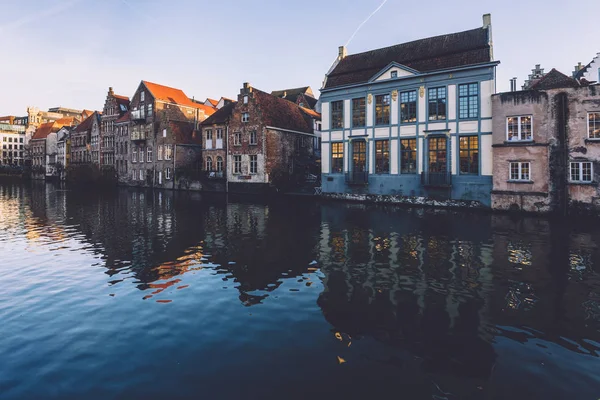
[418,120]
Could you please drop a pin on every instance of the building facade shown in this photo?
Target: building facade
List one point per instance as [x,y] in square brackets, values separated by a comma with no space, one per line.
[63,151]
[214,143]
[12,139]
[413,119]
[546,146]
[269,142]
[122,143]
[81,140]
[115,106]
[589,72]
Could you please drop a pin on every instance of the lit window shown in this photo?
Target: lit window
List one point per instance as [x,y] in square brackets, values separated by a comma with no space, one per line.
[358,112]
[408,106]
[469,155]
[337,157]
[581,172]
[382,156]
[519,128]
[519,171]
[594,125]
[408,156]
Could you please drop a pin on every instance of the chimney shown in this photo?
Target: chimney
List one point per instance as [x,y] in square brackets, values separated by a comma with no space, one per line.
[110,91]
[513,84]
[342,52]
[487,20]
[247,88]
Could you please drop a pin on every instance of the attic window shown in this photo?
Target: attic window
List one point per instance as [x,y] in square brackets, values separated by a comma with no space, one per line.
[245,99]
[142,96]
[394,74]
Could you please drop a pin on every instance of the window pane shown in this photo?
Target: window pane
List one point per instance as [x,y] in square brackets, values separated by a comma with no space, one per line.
[512,124]
[358,112]
[526,128]
[408,106]
[382,109]
[594,125]
[382,156]
[337,114]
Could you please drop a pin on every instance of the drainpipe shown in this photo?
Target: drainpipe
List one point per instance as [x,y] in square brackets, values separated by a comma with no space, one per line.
[174,158]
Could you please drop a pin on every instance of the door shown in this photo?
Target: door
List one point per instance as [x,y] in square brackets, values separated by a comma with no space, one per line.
[359,161]
[437,173]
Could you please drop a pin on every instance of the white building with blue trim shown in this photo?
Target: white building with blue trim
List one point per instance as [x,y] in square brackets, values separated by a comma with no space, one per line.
[414,119]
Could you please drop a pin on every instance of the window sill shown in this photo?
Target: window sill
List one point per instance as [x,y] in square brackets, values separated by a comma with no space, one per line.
[520,182]
[583,183]
[592,140]
[472,119]
[253,144]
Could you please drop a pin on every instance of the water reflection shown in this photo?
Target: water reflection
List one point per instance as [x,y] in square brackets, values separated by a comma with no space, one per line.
[438,301]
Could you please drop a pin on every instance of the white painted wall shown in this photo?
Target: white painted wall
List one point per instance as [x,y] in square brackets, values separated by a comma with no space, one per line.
[468,127]
[487,160]
[437,126]
[394,111]
[486,126]
[346,156]
[382,132]
[487,89]
[325,116]
[420,156]
[421,107]
[408,130]
[370,112]
[388,74]
[347,114]
[371,153]
[593,72]
[394,156]
[325,157]
[454,156]
[451,102]
[337,136]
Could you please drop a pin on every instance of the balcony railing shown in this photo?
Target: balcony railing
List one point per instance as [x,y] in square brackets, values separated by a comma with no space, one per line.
[357,178]
[436,179]
[137,115]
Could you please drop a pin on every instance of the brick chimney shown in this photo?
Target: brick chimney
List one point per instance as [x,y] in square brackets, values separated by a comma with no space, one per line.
[110,91]
[342,52]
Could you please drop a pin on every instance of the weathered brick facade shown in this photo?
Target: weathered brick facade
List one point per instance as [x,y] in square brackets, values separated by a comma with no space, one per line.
[115,107]
[558,152]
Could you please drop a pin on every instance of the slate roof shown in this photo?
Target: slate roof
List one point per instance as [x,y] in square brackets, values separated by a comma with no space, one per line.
[425,55]
[293,94]
[220,116]
[184,133]
[280,113]
[555,80]
[87,123]
[175,96]
[124,100]
[125,118]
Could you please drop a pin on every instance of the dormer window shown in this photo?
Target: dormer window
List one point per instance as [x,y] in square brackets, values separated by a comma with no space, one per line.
[394,74]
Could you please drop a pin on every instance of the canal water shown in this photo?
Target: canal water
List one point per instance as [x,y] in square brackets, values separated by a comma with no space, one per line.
[139,294]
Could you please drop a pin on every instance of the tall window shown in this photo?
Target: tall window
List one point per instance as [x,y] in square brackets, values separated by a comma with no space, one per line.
[468,100]
[245,99]
[159,153]
[253,137]
[237,139]
[519,128]
[142,96]
[382,109]
[519,171]
[437,103]
[408,156]
[469,155]
[168,151]
[581,171]
[237,164]
[209,164]
[245,117]
[168,173]
[150,109]
[337,114]
[219,134]
[438,154]
[219,164]
[408,106]
[209,134]
[337,157]
[594,125]
[382,157]
[358,113]
[134,155]
[253,164]
[141,174]
[149,154]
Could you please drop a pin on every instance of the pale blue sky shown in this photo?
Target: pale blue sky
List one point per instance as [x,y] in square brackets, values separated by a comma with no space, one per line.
[67,53]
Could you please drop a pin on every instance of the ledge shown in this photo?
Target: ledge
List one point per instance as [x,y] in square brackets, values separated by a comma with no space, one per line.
[519,193]
[521,143]
[583,183]
[520,182]
[591,141]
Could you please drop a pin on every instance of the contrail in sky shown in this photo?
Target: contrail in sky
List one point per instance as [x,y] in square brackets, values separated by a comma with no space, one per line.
[365,21]
[40,15]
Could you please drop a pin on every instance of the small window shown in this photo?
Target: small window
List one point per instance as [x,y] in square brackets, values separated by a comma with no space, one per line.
[245,99]
[337,157]
[149,154]
[141,174]
[219,134]
[253,138]
[337,115]
[149,110]
[134,155]
[168,151]
[237,164]
[581,172]
[245,117]
[382,109]
[594,125]
[209,164]
[394,74]
[237,139]
[519,128]
[253,164]
[142,96]
[219,164]
[519,171]
[164,133]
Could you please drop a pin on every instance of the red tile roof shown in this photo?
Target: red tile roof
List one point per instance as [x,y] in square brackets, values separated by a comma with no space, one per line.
[310,112]
[175,96]
[43,131]
[125,118]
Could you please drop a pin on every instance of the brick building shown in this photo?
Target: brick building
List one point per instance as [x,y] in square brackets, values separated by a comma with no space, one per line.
[270,141]
[122,145]
[158,117]
[115,106]
[214,142]
[546,146]
[43,146]
[81,141]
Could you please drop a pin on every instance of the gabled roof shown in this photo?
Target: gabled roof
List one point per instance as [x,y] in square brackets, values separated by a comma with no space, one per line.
[86,113]
[279,113]
[125,118]
[87,123]
[43,131]
[213,102]
[122,100]
[554,80]
[221,116]
[291,92]
[311,113]
[425,55]
[175,96]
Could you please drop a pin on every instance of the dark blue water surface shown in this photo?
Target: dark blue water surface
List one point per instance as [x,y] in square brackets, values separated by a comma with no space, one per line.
[135,294]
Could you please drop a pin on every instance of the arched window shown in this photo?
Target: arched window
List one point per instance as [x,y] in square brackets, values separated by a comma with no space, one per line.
[209,165]
[219,164]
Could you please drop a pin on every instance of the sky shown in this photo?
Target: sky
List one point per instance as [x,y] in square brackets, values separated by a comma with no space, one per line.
[68,52]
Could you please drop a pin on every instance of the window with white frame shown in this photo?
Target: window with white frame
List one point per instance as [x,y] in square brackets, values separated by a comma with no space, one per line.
[219,164]
[141,174]
[168,151]
[149,154]
[253,137]
[394,74]
[219,134]
[134,155]
[594,125]
[237,139]
[245,117]
[142,96]
[160,151]
[581,171]
[209,134]
[520,171]
[150,109]
[168,173]
[253,164]
[237,164]
[519,128]
[209,164]
[245,99]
